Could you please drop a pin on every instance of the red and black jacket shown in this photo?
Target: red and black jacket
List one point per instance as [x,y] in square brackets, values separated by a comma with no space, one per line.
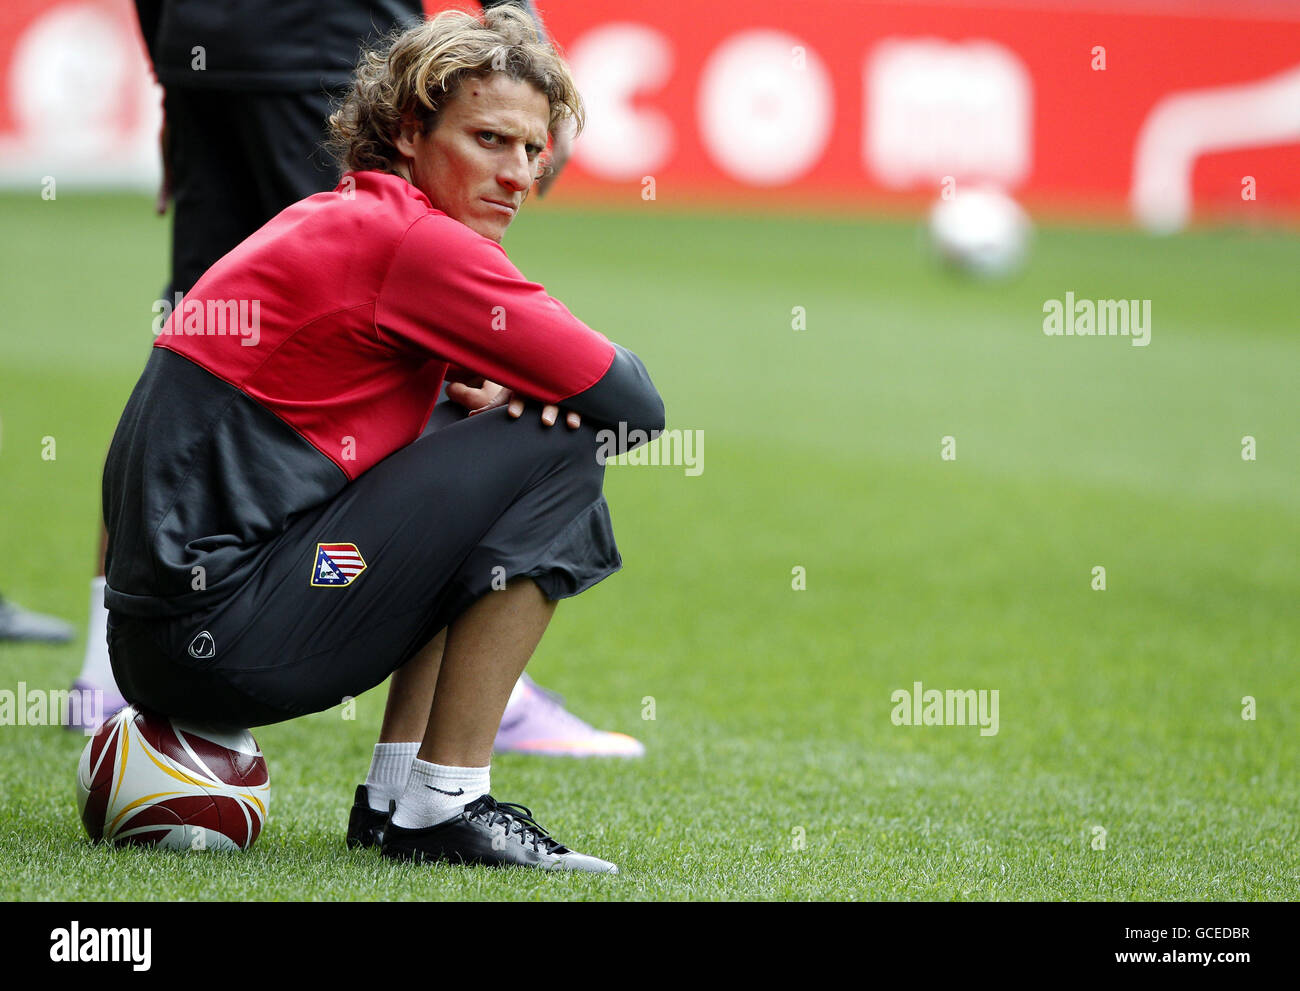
[308,354]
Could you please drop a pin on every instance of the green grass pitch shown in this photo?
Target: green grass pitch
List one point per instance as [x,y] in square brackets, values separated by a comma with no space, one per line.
[774,770]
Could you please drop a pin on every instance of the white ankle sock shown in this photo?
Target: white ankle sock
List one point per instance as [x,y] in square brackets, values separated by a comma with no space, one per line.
[95,668]
[389,769]
[436,793]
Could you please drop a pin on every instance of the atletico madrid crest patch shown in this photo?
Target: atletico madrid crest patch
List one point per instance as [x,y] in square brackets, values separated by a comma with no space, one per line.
[336,565]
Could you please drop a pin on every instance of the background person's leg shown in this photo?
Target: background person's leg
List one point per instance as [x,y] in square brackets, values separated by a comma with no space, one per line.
[215,201]
[289,131]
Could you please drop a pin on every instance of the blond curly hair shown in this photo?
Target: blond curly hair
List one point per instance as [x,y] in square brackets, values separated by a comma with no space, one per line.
[417,71]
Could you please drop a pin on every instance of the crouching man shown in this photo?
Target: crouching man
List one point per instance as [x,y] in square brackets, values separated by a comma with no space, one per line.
[284,532]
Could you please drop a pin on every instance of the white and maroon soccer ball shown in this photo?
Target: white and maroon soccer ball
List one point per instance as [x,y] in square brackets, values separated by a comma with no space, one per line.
[147,780]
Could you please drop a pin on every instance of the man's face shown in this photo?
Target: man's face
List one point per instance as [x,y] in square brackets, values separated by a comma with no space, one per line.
[479,161]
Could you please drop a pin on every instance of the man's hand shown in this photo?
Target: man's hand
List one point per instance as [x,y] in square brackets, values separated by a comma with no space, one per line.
[472,392]
[478,395]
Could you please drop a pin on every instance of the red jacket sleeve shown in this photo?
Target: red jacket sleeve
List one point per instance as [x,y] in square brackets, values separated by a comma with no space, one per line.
[454,294]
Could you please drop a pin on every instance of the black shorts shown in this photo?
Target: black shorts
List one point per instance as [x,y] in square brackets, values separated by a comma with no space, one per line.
[473,503]
[238,159]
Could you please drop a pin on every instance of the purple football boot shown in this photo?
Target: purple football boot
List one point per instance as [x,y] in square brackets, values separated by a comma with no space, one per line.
[536,722]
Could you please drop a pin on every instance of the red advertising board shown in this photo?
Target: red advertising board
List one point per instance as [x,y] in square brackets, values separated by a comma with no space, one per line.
[857,102]
[1136,109]
[76,96]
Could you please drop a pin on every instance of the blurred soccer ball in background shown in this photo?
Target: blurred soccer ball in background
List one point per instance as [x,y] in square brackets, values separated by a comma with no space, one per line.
[982,232]
[147,780]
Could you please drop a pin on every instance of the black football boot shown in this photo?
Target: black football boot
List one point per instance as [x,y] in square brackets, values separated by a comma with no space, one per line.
[493,834]
[365,825]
